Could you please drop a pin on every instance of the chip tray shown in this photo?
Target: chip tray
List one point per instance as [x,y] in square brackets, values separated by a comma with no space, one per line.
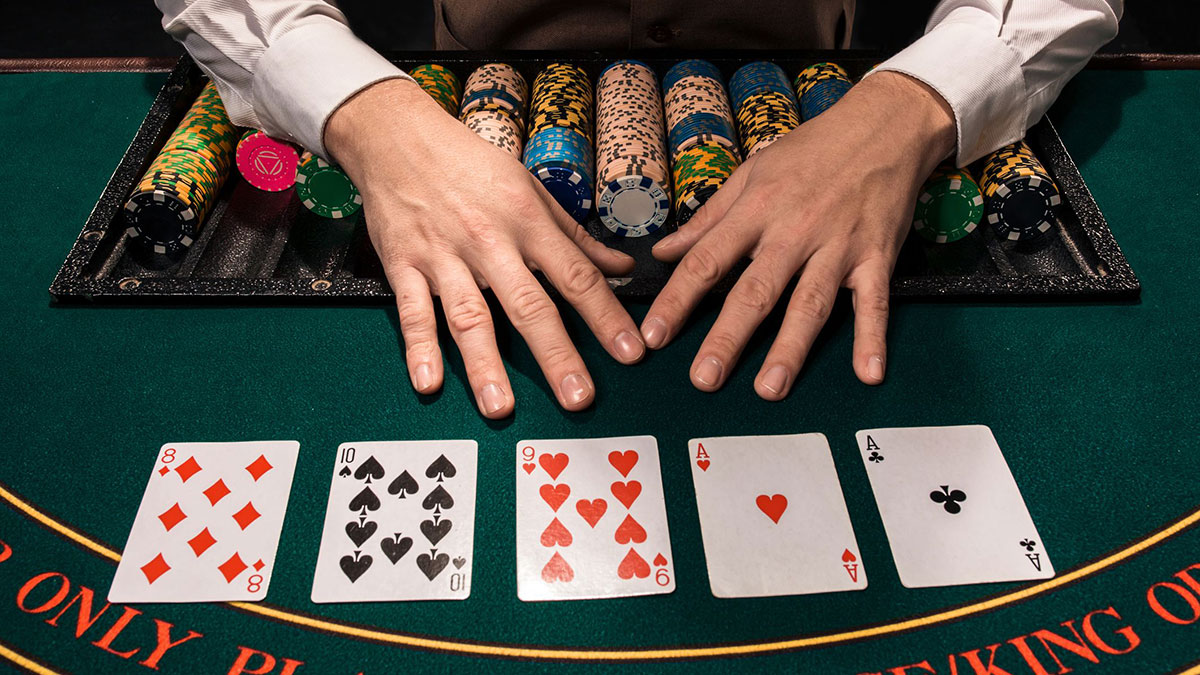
[266,246]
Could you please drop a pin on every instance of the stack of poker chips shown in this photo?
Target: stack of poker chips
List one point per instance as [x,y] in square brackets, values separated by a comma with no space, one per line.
[559,151]
[949,206]
[493,106]
[633,196]
[701,136]
[1020,197]
[764,103]
[819,86]
[325,189]
[267,163]
[167,208]
[441,85]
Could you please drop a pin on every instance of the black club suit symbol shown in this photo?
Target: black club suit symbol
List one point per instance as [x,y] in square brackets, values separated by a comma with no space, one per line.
[949,499]
[875,457]
[1029,544]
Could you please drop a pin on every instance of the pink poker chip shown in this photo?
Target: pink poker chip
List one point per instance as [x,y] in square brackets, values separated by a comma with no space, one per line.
[266,163]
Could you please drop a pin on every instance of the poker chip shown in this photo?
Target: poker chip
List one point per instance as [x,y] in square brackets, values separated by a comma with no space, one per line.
[325,189]
[493,106]
[440,83]
[1020,198]
[949,206]
[633,205]
[819,86]
[701,134]
[764,105]
[266,163]
[559,152]
[633,197]
[166,209]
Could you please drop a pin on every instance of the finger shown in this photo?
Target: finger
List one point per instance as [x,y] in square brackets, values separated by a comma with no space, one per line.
[807,311]
[673,246]
[418,325]
[585,288]
[611,261]
[535,316]
[748,303]
[704,265]
[870,286]
[470,322]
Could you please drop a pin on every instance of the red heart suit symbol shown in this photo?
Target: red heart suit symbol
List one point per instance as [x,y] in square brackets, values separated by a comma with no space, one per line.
[529,467]
[659,560]
[626,493]
[773,506]
[633,566]
[556,534]
[557,569]
[623,461]
[703,464]
[554,464]
[591,511]
[848,556]
[629,530]
[555,495]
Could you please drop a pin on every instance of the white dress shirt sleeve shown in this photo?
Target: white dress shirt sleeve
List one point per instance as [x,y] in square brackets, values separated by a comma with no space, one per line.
[1001,63]
[283,66]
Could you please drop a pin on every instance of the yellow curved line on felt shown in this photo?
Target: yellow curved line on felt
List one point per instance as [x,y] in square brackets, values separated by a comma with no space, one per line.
[25,662]
[446,645]
[1194,670]
[81,539]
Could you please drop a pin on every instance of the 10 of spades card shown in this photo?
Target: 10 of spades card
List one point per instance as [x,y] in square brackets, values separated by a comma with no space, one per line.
[952,511]
[772,517]
[209,523]
[591,519]
[400,523]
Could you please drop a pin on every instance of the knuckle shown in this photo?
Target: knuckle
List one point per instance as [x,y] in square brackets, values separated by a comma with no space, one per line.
[723,344]
[811,303]
[479,229]
[580,277]
[529,305]
[701,264]
[466,316]
[756,294]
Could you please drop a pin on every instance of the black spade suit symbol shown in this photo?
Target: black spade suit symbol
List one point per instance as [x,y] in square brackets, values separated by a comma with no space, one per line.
[403,485]
[360,533]
[437,497]
[395,548]
[435,532]
[432,565]
[369,470]
[365,500]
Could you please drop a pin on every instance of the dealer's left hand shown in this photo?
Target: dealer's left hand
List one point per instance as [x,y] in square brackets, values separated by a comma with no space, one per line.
[830,201]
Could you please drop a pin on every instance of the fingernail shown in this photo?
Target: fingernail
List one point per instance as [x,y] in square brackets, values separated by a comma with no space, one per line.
[775,379]
[491,398]
[575,389]
[655,332]
[875,368]
[666,240]
[423,376]
[629,347]
[709,371]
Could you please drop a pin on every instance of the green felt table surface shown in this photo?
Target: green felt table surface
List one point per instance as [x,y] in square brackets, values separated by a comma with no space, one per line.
[1094,405]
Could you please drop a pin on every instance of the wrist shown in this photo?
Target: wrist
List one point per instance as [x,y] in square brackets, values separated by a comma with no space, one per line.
[391,109]
[916,117]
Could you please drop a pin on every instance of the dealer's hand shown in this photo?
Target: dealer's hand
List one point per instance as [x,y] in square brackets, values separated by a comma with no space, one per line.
[449,214]
[831,201]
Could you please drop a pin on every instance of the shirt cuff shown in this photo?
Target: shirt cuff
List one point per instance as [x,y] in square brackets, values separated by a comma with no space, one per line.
[307,74]
[978,75]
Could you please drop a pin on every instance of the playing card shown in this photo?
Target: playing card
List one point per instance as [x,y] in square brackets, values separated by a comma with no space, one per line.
[209,523]
[400,524]
[772,517]
[591,521]
[952,511]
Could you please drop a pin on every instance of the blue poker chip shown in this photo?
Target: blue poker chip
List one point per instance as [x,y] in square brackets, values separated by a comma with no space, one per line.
[570,187]
[822,95]
[756,77]
[698,125]
[690,68]
[633,206]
